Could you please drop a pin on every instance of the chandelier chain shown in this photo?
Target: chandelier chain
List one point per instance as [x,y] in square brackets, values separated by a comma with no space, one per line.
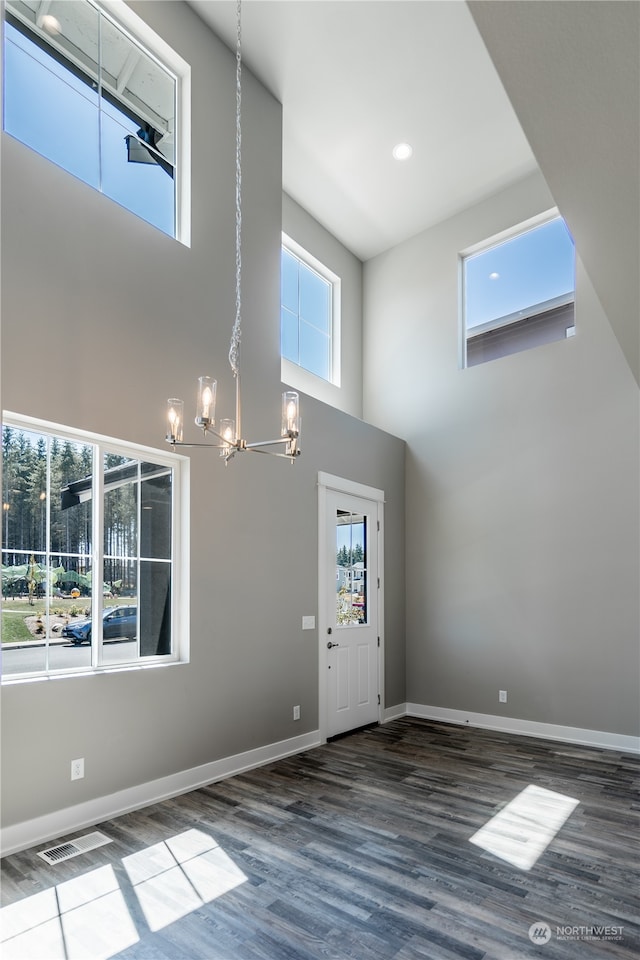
[229,433]
[234,348]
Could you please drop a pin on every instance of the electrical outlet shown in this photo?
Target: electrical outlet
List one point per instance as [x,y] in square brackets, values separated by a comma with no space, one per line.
[296,713]
[502,696]
[77,769]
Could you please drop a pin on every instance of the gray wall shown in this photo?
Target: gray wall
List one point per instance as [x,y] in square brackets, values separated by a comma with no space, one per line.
[103,317]
[522,492]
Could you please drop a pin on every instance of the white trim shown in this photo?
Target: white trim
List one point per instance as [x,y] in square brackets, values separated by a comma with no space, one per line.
[350,487]
[527,728]
[180,559]
[23,422]
[394,713]
[20,836]
[29,833]
[525,226]
[323,591]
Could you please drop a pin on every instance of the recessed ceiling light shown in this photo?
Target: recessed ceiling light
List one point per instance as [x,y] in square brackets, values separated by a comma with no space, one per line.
[402,151]
[494,276]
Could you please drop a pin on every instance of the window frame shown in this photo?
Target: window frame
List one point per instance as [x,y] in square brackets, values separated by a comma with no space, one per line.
[179,466]
[325,273]
[510,321]
[155,48]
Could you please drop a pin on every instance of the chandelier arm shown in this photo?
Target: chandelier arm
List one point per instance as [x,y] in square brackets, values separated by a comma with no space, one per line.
[182,443]
[272,453]
[267,443]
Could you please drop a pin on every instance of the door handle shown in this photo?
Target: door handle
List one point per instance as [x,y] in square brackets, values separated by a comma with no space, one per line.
[330,645]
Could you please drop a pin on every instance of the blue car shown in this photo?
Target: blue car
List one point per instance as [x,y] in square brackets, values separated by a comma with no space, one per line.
[117,623]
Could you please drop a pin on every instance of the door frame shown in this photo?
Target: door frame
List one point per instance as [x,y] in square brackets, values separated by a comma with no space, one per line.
[327,481]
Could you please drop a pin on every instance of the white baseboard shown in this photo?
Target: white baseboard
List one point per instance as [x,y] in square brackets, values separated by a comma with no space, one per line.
[30,833]
[527,728]
[394,713]
[20,836]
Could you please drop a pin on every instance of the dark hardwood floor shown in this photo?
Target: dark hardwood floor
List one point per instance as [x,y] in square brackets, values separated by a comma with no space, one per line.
[358,849]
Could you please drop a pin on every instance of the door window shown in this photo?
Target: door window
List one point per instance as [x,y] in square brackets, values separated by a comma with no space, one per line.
[351,569]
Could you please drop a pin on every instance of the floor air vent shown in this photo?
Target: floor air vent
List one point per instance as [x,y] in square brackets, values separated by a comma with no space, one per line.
[65,851]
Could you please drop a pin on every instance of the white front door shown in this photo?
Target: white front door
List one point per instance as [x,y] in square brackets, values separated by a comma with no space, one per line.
[349,622]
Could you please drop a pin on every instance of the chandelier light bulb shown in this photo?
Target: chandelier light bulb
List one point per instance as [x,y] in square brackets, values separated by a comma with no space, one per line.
[175,418]
[206,405]
[290,414]
[228,435]
[206,402]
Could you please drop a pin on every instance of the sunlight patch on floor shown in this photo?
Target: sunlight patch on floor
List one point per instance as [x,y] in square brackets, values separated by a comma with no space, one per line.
[177,876]
[87,918]
[522,831]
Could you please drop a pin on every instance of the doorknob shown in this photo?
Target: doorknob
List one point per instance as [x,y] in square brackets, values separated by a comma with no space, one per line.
[330,645]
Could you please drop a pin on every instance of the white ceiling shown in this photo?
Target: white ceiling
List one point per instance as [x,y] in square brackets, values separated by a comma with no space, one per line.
[355,77]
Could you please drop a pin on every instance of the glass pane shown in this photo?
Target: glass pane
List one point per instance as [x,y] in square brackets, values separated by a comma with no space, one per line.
[533,268]
[70,502]
[24,624]
[289,336]
[155,608]
[289,282]
[137,127]
[72,27]
[351,573]
[49,107]
[120,611]
[137,87]
[315,300]
[70,615]
[314,351]
[120,512]
[141,185]
[155,512]
[24,486]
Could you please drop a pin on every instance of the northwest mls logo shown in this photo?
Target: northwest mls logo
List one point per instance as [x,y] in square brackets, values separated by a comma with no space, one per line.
[539,932]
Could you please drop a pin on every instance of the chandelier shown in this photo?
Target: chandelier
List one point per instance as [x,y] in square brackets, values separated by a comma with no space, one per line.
[229,432]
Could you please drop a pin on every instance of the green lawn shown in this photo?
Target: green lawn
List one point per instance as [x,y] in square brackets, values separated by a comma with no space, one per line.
[14,629]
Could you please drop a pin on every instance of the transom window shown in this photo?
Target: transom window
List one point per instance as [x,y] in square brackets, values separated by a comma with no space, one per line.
[309,312]
[91,557]
[83,92]
[518,290]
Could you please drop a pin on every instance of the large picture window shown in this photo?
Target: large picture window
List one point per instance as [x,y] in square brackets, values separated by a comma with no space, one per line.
[83,92]
[91,557]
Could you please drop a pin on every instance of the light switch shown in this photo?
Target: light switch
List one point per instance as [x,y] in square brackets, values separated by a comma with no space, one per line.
[308,623]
